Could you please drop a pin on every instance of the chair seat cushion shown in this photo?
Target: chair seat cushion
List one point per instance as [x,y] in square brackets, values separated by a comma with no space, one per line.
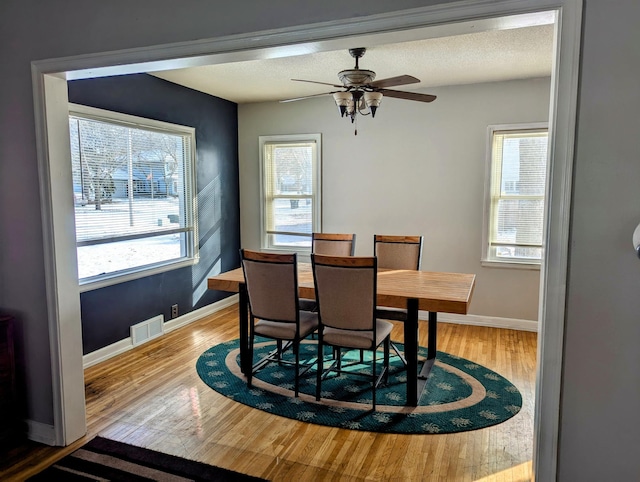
[357,339]
[285,330]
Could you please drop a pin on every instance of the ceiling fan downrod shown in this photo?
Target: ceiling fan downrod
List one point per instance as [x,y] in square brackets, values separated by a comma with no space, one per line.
[357,53]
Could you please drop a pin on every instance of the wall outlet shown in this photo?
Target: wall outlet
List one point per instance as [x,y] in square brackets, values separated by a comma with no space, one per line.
[174,311]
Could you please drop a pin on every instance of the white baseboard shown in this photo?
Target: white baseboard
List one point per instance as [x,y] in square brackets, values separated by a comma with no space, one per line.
[41,432]
[107,352]
[200,313]
[480,320]
[126,344]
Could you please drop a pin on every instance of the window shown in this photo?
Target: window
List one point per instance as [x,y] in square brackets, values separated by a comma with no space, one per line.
[290,171]
[134,189]
[516,183]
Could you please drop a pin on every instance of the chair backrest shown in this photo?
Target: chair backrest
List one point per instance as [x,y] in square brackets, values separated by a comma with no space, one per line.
[345,291]
[398,252]
[333,244]
[272,285]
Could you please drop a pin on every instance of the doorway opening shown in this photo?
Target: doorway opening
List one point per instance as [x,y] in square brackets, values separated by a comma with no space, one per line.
[52,111]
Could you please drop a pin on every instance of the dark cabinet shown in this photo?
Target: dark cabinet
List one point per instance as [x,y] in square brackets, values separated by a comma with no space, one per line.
[7,381]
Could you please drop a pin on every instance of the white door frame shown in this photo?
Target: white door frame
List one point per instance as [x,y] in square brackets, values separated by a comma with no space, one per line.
[50,96]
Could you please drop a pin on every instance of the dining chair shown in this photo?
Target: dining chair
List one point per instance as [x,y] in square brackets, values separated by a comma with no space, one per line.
[331,244]
[272,288]
[346,295]
[397,252]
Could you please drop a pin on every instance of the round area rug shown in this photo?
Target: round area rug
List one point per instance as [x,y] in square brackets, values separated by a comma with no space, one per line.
[460,395]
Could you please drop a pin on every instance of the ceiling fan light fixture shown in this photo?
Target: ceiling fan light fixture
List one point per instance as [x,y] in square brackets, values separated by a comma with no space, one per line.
[373,99]
[351,106]
[342,101]
[362,95]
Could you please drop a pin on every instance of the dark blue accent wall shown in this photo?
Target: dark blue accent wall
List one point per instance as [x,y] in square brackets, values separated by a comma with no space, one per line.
[108,313]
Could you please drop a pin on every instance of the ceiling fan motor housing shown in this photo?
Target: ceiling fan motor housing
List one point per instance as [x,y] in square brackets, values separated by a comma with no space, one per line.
[356,77]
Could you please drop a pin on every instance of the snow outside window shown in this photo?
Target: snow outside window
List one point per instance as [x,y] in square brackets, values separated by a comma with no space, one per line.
[290,191]
[134,189]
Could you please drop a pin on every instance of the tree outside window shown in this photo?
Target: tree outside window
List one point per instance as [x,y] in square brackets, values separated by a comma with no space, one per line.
[133,180]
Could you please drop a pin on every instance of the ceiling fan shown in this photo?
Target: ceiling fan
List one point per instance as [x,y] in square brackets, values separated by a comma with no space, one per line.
[361,91]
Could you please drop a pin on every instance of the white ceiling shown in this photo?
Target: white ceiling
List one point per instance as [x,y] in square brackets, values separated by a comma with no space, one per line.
[485,56]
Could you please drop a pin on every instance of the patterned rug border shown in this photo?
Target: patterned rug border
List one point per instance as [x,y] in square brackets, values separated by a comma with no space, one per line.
[461,395]
[105,459]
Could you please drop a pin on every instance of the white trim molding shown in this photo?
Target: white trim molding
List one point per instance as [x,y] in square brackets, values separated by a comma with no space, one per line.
[61,275]
[43,433]
[200,313]
[489,321]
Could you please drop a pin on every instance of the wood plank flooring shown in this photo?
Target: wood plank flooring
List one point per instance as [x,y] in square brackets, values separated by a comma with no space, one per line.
[152,397]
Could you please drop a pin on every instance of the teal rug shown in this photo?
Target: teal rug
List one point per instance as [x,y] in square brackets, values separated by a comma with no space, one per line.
[460,395]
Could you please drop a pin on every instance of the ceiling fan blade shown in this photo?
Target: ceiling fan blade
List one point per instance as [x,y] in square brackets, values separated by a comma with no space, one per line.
[307,97]
[316,82]
[391,81]
[398,94]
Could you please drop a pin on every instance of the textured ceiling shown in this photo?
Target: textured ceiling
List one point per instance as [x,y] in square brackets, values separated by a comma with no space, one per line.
[487,56]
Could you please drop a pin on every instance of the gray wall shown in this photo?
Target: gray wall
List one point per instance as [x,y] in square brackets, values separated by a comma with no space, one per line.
[599,436]
[414,169]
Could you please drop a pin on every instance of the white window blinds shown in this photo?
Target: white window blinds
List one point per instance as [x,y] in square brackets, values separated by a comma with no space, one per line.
[133,183]
[290,183]
[518,183]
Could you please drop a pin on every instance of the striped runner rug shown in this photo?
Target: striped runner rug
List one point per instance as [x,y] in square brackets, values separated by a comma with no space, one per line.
[104,459]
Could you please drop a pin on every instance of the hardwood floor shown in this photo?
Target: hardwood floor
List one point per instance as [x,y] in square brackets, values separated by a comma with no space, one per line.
[152,397]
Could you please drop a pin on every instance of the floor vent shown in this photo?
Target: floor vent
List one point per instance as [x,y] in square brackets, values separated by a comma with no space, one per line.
[147,330]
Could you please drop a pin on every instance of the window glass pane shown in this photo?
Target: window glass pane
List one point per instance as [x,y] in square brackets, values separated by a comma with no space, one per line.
[519,221]
[293,169]
[289,240]
[119,217]
[517,187]
[507,252]
[290,203]
[524,161]
[132,190]
[99,259]
[293,215]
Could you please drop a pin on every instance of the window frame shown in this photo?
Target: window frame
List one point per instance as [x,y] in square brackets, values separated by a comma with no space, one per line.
[487,259]
[316,195]
[191,245]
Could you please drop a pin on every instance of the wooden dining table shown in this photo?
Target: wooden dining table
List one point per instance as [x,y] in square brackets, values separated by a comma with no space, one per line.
[434,292]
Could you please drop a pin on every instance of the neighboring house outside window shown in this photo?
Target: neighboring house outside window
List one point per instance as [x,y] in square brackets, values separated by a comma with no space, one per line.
[133,186]
[515,195]
[290,167]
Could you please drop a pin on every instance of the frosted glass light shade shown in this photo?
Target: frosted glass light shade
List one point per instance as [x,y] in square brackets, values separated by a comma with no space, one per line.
[342,101]
[636,240]
[372,99]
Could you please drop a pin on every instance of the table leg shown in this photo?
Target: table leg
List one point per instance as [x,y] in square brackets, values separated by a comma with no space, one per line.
[431,352]
[243,313]
[433,334]
[411,351]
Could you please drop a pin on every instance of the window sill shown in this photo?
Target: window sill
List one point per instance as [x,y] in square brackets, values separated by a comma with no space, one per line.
[110,280]
[510,264]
